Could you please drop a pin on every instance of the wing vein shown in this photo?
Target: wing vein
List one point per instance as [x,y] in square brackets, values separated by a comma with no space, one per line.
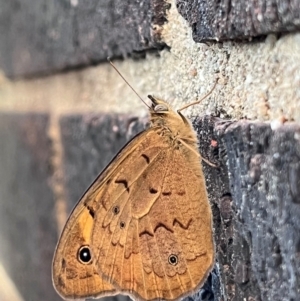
[176,235]
[128,199]
[143,271]
[162,263]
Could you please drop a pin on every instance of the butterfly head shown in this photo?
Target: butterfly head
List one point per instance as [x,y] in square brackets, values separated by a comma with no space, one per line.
[172,122]
[162,113]
[158,105]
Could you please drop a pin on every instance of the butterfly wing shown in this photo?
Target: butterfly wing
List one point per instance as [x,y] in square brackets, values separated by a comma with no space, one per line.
[152,234]
[73,272]
[73,276]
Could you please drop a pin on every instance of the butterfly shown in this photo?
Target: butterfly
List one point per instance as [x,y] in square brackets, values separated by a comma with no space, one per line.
[144,227]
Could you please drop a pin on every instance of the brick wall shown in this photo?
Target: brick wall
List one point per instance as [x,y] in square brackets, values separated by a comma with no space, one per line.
[64,113]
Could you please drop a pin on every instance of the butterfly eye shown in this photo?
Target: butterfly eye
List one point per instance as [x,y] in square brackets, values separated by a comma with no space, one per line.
[122,225]
[116,210]
[160,108]
[173,259]
[84,255]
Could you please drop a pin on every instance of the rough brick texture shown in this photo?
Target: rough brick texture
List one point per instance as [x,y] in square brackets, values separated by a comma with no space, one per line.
[46,36]
[239,19]
[257,232]
[28,232]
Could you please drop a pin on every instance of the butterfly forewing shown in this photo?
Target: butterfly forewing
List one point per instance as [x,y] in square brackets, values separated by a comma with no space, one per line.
[74,278]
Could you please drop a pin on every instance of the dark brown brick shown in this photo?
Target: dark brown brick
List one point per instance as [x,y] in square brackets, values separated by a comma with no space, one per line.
[49,35]
[224,20]
[258,243]
[27,221]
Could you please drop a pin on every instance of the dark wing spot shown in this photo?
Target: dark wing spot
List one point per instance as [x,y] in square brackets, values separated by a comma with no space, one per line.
[159,225]
[63,263]
[146,232]
[173,259]
[84,255]
[122,225]
[91,211]
[181,225]
[168,193]
[181,192]
[61,282]
[152,190]
[124,182]
[146,158]
[116,210]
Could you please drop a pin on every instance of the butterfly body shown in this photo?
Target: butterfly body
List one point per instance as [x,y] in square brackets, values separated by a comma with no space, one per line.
[144,227]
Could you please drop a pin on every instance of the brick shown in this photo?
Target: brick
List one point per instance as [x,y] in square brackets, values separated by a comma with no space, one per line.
[224,20]
[257,208]
[27,224]
[41,37]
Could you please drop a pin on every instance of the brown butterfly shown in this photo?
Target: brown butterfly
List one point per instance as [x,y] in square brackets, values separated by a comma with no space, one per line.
[144,227]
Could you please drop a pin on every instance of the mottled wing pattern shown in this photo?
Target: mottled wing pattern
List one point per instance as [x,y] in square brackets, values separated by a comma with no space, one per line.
[74,279]
[152,236]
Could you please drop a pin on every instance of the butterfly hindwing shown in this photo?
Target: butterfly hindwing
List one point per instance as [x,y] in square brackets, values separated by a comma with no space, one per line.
[158,234]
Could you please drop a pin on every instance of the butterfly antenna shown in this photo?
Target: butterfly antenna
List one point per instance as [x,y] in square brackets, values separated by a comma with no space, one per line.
[198,101]
[127,82]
